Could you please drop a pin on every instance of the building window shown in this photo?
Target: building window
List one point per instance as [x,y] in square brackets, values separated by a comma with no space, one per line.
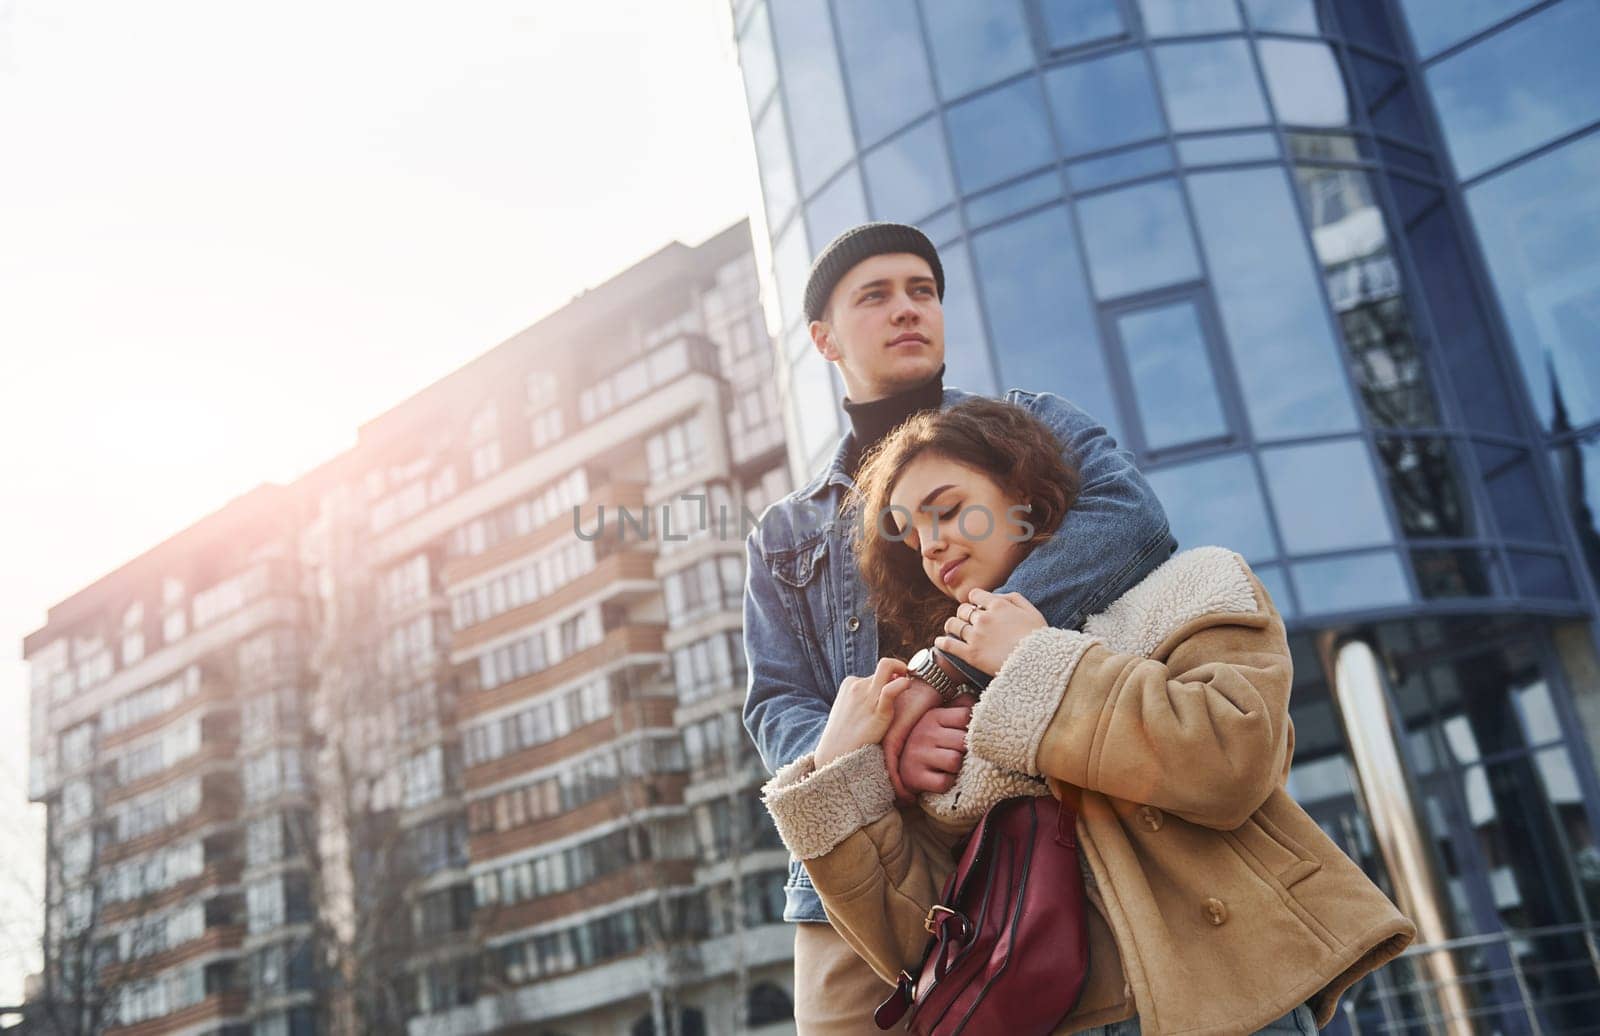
[1168,353]
[676,450]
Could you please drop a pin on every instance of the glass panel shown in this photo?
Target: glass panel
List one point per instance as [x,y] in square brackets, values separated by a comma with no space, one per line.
[999,135]
[1276,583]
[813,87]
[1425,488]
[1283,16]
[976,44]
[1459,325]
[837,207]
[1126,165]
[883,52]
[1232,147]
[1104,102]
[1209,85]
[1456,573]
[1513,491]
[760,68]
[1538,224]
[777,174]
[998,204]
[1577,467]
[1519,88]
[1201,515]
[966,354]
[1072,23]
[1437,24]
[1171,371]
[1137,238]
[1351,239]
[943,228]
[1325,496]
[1367,22]
[1039,308]
[816,409]
[1304,82]
[1405,158]
[1182,17]
[791,265]
[1540,575]
[1276,324]
[1350,583]
[909,176]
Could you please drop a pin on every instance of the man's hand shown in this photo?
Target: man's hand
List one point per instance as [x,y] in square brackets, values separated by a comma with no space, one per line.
[935,748]
[988,627]
[913,704]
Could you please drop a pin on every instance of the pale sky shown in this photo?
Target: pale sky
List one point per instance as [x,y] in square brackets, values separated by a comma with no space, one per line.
[230,233]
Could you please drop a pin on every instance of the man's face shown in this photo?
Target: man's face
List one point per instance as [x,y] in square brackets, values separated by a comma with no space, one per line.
[884,326]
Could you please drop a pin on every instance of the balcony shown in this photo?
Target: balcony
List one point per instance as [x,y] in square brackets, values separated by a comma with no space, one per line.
[646,875]
[640,794]
[621,573]
[637,639]
[611,496]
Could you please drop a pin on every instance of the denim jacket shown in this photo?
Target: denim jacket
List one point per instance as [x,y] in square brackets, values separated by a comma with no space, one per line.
[807,623]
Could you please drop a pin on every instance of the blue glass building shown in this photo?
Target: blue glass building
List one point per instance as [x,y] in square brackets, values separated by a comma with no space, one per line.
[1332,271]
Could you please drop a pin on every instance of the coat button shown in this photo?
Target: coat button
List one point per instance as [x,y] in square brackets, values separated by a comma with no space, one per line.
[1216,911]
[852,624]
[1151,817]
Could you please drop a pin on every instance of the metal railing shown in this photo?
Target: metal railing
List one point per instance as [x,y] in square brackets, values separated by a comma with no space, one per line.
[1508,983]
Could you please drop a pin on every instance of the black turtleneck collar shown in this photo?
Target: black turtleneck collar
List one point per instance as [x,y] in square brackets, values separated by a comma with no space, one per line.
[872,421]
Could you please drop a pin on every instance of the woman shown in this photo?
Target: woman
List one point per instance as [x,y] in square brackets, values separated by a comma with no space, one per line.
[1219,905]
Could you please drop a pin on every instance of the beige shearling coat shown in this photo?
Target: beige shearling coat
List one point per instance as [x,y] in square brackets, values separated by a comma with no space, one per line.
[1218,904]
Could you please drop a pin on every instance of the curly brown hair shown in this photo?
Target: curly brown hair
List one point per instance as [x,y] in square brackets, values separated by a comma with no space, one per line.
[1003,440]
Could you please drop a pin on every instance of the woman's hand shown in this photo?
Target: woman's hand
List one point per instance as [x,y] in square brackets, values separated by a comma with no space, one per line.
[988,627]
[862,711]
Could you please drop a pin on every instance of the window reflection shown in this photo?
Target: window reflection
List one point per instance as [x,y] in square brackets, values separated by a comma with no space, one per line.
[1424,487]
[1539,223]
[1093,173]
[1072,23]
[1137,238]
[1350,583]
[976,44]
[814,405]
[1103,102]
[1182,17]
[1235,518]
[1305,83]
[967,351]
[1437,24]
[813,87]
[887,65]
[1230,147]
[838,206]
[1209,85]
[777,173]
[1577,466]
[1283,15]
[1272,312]
[1170,366]
[1513,491]
[1004,201]
[1518,89]
[1541,575]
[1351,239]
[1325,496]
[791,265]
[909,176]
[999,135]
[1041,314]
[1457,573]
[756,62]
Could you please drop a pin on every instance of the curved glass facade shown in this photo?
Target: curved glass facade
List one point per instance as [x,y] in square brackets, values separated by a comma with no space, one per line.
[1331,271]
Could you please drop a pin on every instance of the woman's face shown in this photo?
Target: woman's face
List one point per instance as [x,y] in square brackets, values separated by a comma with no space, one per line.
[968,532]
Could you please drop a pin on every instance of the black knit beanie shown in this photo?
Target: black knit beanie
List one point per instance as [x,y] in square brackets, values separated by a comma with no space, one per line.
[863,242]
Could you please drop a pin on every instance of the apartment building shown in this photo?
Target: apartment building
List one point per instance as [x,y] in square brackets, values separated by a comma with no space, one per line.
[450,742]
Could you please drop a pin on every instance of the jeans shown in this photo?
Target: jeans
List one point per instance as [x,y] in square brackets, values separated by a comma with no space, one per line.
[1298,1021]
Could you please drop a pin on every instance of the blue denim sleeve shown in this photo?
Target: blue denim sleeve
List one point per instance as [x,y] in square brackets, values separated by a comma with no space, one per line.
[783,710]
[1112,537]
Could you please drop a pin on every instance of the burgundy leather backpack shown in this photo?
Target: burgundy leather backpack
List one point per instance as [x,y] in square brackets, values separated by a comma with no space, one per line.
[1010,947]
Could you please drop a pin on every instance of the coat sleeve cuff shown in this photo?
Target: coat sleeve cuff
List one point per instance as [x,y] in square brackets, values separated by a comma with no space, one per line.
[1011,718]
[816,809]
[979,785]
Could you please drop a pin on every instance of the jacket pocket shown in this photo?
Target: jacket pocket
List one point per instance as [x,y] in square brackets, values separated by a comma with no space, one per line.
[1285,859]
[796,568]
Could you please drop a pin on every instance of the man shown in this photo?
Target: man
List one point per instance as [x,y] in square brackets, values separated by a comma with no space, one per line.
[874,300]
